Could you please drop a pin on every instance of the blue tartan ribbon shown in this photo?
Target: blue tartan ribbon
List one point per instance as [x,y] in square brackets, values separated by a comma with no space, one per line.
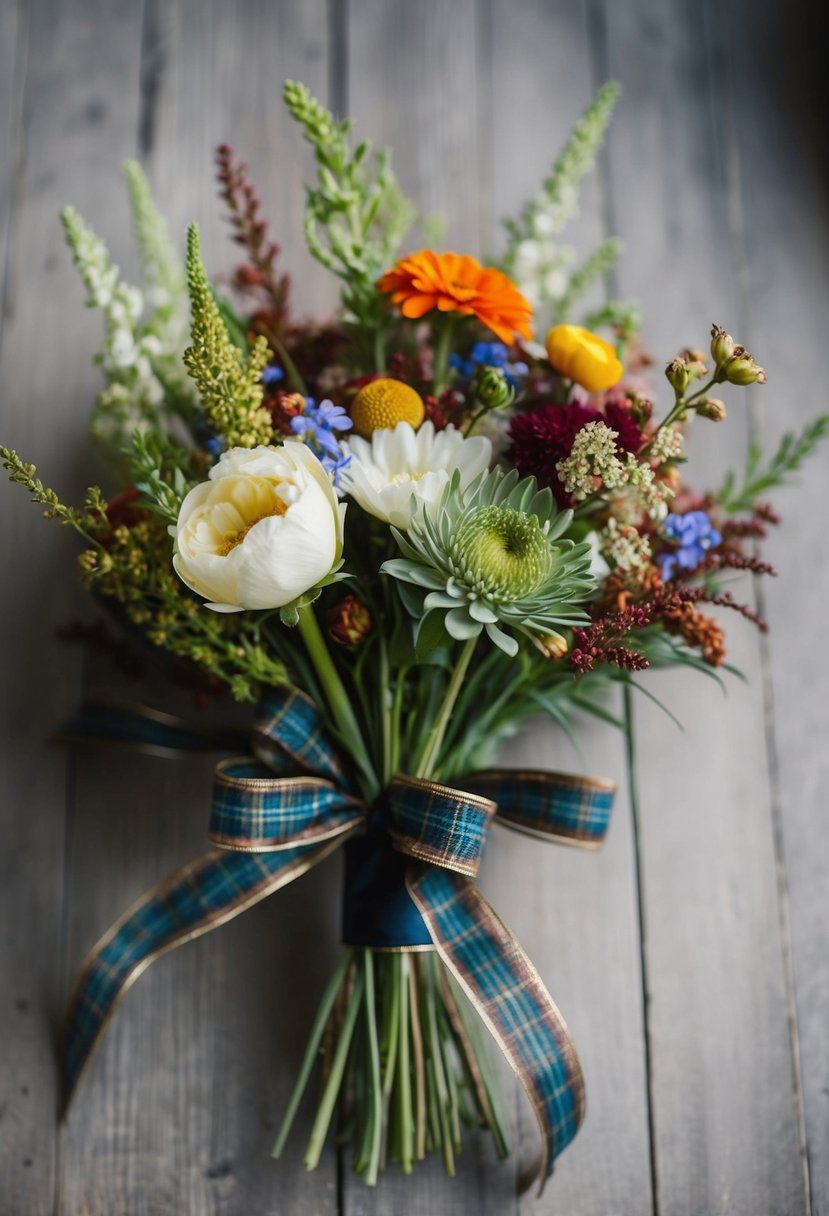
[277,814]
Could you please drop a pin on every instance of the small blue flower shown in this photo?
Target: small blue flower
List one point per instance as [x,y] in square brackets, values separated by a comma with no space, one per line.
[335,465]
[694,534]
[272,375]
[316,427]
[488,354]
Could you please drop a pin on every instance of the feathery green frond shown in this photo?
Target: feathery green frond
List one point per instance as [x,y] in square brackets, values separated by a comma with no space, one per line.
[229,384]
[759,479]
[596,266]
[355,215]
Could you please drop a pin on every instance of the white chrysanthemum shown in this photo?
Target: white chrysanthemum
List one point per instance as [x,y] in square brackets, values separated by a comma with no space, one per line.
[264,530]
[399,471]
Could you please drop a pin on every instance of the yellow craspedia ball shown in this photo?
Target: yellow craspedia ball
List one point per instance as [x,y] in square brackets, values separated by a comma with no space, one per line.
[584,357]
[381,404]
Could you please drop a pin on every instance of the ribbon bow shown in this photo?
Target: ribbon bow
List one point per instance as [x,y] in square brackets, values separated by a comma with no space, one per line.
[279,813]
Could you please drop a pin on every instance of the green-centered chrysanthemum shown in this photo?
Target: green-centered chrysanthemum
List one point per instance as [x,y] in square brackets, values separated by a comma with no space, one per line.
[493,555]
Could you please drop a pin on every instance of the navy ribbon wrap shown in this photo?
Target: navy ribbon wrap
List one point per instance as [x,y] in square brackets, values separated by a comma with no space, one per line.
[412,860]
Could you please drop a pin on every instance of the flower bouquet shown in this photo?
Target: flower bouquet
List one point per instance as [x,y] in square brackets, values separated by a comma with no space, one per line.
[400,533]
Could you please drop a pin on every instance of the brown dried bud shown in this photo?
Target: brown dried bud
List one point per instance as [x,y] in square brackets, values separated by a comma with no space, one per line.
[292,404]
[349,621]
[552,645]
[694,361]
[641,409]
[711,408]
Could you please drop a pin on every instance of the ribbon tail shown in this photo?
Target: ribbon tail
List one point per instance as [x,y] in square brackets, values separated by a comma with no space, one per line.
[199,897]
[146,730]
[511,999]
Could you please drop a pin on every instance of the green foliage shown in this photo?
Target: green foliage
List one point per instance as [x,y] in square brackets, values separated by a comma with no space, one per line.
[165,290]
[735,497]
[594,267]
[161,267]
[625,318]
[88,523]
[229,383]
[355,214]
[161,471]
[131,563]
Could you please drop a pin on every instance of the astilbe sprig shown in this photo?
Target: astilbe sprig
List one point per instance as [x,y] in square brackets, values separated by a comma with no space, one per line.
[229,383]
[250,230]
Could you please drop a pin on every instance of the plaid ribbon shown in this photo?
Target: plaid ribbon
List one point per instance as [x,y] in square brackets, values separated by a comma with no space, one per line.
[276,815]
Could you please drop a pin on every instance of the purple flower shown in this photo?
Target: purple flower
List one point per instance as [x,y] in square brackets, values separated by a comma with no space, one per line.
[694,534]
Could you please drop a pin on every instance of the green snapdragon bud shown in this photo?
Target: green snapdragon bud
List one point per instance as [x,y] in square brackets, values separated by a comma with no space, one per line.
[722,345]
[741,369]
[679,375]
[491,390]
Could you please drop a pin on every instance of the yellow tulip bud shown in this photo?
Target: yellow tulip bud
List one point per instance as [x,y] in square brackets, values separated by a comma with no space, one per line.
[584,357]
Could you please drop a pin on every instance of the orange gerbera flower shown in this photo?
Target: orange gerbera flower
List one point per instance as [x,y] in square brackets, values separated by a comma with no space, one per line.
[454,282]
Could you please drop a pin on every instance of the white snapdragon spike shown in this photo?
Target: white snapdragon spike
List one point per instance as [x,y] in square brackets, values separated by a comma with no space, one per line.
[400,471]
[265,529]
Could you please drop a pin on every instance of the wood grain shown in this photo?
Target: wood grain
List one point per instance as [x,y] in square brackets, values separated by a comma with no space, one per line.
[783,199]
[180,1110]
[714,181]
[725,1115]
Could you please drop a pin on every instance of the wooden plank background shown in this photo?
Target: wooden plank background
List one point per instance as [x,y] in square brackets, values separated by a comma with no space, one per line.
[690,956]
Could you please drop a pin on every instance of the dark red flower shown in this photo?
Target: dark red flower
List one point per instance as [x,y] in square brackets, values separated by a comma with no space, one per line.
[544,436]
[619,417]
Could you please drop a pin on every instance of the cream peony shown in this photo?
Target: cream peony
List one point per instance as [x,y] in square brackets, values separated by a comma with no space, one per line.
[401,470]
[264,529]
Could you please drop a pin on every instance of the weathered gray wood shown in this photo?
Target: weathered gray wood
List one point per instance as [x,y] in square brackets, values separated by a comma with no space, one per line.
[716,189]
[180,1110]
[70,116]
[726,1120]
[576,913]
[782,205]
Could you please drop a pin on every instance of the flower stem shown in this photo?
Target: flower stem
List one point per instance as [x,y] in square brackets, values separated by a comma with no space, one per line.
[431,751]
[337,697]
[332,1087]
[375,1085]
[292,375]
[404,1084]
[320,1021]
[443,348]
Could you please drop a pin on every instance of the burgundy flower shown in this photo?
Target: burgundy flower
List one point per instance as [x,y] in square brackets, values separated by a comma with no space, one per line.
[544,436]
[619,417]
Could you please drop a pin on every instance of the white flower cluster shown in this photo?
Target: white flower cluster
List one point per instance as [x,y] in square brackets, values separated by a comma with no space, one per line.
[650,495]
[132,353]
[666,444]
[593,462]
[624,545]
